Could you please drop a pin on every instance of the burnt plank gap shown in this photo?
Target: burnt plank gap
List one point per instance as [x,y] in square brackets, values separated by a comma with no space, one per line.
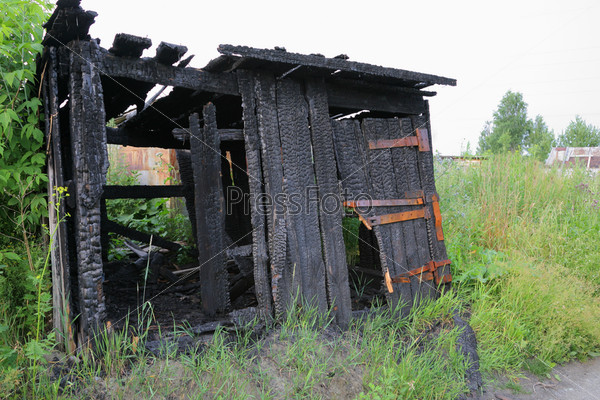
[304,239]
[330,210]
[255,187]
[90,163]
[210,218]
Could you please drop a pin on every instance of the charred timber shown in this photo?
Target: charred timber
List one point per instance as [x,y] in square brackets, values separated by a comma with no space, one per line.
[332,65]
[144,191]
[150,70]
[111,226]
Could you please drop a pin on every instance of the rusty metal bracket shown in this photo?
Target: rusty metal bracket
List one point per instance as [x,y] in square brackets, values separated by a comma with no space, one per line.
[396,217]
[437,214]
[384,203]
[421,140]
[427,272]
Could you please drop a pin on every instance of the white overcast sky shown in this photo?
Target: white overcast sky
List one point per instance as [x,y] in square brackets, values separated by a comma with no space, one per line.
[547,50]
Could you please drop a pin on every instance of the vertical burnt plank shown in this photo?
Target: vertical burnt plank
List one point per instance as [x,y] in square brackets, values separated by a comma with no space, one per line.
[282,285]
[210,218]
[61,288]
[426,171]
[90,163]
[255,179]
[406,172]
[304,238]
[381,170]
[330,208]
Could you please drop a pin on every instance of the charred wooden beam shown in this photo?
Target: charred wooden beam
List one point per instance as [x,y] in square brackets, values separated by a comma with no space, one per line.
[90,163]
[316,62]
[162,139]
[126,45]
[111,226]
[68,22]
[168,53]
[144,191]
[178,138]
[226,135]
[149,70]
[210,218]
[357,98]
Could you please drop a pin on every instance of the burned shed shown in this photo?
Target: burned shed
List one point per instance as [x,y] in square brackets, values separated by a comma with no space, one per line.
[307,138]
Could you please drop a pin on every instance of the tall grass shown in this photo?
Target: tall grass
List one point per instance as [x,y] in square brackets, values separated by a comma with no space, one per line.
[524,241]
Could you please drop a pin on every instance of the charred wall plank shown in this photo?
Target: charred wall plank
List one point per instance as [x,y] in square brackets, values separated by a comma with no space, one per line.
[61,288]
[90,163]
[210,218]
[330,207]
[255,185]
[426,172]
[282,284]
[304,240]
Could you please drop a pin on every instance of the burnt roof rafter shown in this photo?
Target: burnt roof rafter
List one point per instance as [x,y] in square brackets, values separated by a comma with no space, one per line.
[280,59]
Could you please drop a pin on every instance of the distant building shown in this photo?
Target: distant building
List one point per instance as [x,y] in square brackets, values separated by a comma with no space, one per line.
[588,157]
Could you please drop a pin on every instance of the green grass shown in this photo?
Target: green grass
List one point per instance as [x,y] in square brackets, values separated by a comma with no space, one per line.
[383,356]
[524,241]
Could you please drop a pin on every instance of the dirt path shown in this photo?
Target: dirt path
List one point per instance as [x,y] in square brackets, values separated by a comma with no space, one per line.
[578,381]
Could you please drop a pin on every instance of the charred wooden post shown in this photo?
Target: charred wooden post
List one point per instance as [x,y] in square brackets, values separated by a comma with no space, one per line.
[210,217]
[90,163]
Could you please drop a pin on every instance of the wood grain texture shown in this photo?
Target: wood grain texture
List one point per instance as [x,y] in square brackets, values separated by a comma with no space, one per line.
[330,207]
[283,285]
[260,256]
[437,247]
[210,218]
[90,163]
[304,239]
[59,252]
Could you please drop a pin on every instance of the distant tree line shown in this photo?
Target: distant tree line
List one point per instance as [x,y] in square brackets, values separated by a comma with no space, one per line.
[512,130]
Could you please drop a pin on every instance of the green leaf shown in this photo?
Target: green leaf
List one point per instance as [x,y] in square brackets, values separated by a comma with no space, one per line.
[34,350]
[11,256]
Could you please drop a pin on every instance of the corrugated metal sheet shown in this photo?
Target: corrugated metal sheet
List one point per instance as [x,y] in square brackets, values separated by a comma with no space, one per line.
[588,157]
[154,165]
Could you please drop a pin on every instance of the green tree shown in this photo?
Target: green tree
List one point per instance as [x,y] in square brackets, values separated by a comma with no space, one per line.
[510,128]
[541,139]
[580,134]
[21,141]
